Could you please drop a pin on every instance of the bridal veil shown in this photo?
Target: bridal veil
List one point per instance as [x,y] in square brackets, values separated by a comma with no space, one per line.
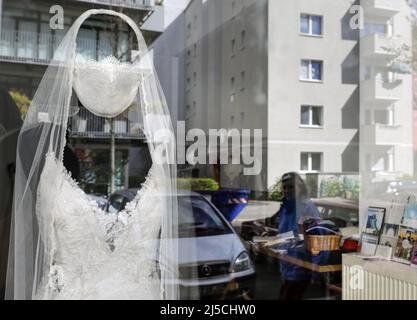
[132,88]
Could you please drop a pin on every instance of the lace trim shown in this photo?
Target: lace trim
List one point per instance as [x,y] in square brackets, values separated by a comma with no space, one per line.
[82,60]
[116,228]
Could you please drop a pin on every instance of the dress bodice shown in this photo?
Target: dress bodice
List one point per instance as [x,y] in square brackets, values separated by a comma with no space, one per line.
[91,254]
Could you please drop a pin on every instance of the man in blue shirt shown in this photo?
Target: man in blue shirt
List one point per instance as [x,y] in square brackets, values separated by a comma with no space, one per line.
[294,209]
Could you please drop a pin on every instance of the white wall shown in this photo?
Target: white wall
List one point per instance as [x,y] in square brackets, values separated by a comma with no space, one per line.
[338,93]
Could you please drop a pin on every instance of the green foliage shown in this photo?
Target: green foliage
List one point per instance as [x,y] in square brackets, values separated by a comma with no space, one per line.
[337,187]
[332,188]
[275,193]
[198,184]
[343,187]
[22,101]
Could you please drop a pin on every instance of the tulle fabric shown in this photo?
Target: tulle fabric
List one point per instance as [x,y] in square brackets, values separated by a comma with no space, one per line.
[44,132]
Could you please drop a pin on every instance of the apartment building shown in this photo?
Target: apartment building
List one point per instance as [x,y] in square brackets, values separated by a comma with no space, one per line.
[313,95]
[330,99]
[290,68]
[27,43]
[226,84]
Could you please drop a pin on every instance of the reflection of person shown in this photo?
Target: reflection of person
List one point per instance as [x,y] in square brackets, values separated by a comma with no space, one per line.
[295,207]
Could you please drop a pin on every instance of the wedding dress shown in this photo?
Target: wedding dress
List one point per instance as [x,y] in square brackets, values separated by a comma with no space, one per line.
[63,246]
[95,255]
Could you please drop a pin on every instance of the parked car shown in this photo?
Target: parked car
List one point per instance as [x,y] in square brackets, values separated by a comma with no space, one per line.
[213,262]
[343,212]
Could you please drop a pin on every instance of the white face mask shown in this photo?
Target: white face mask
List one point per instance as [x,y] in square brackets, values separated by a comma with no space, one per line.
[108,87]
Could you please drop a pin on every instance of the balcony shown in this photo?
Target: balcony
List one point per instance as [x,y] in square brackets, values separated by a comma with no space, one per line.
[382,8]
[378,46]
[379,134]
[86,125]
[132,4]
[38,48]
[375,90]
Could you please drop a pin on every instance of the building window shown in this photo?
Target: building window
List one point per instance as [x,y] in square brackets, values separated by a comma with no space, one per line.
[189,30]
[195,50]
[188,56]
[188,83]
[195,22]
[232,89]
[311,25]
[194,107]
[242,120]
[242,80]
[187,112]
[311,161]
[233,47]
[311,116]
[242,40]
[195,79]
[232,122]
[311,70]
[375,28]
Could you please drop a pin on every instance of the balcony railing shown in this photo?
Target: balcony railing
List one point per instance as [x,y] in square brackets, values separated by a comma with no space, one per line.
[384,8]
[38,48]
[379,134]
[380,90]
[378,45]
[86,125]
[135,4]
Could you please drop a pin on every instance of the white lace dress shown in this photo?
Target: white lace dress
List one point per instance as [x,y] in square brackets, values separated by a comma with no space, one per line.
[91,254]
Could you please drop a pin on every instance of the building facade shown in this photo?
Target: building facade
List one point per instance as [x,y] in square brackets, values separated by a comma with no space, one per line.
[299,71]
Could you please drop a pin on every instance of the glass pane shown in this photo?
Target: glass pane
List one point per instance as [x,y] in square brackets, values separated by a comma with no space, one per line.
[304,24]
[317,116]
[304,162]
[87,43]
[8,23]
[316,25]
[305,115]
[380,29]
[105,45]
[27,39]
[44,41]
[304,70]
[381,116]
[316,161]
[123,46]
[316,70]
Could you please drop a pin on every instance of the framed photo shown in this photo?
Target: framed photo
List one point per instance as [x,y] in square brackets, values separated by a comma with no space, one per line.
[391,230]
[407,239]
[388,241]
[374,221]
[410,215]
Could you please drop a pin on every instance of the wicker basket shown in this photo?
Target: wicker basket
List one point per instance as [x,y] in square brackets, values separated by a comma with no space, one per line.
[316,244]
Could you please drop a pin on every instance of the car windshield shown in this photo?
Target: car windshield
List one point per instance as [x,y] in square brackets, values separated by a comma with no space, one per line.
[197,218]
